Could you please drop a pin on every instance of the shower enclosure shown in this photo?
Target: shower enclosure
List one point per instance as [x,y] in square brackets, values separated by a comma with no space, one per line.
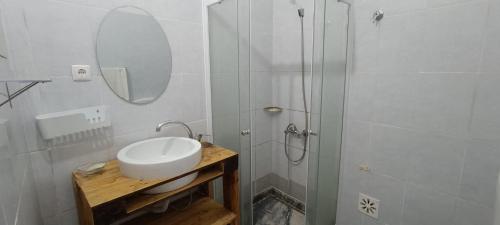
[277,91]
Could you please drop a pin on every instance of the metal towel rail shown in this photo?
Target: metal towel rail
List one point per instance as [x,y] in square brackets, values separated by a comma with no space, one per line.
[10,96]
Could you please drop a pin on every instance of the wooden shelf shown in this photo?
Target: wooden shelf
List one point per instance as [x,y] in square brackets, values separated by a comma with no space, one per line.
[204,211]
[109,196]
[142,200]
[111,185]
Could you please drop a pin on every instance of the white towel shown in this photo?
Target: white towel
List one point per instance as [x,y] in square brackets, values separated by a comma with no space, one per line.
[117,79]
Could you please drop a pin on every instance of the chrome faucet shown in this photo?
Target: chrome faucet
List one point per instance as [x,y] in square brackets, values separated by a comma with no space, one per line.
[186,127]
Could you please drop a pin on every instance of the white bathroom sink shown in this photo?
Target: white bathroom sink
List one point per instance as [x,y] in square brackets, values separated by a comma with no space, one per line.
[161,158]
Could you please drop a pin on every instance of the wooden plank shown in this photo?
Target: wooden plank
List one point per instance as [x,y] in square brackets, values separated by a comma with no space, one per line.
[142,200]
[85,215]
[231,190]
[111,185]
[204,211]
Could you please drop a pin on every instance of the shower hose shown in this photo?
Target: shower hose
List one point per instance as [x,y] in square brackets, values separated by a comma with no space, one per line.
[291,129]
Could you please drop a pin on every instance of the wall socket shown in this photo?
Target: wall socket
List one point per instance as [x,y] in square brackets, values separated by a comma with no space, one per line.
[368,205]
[81,72]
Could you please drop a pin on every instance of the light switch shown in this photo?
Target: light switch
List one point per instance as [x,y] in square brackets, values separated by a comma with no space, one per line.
[81,72]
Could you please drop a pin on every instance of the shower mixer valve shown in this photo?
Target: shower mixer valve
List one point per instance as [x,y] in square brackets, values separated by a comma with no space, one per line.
[294,131]
[291,130]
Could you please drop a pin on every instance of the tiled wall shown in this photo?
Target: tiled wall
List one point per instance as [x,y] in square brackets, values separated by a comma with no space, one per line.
[276,79]
[423,111]
[65,36]
[18,198]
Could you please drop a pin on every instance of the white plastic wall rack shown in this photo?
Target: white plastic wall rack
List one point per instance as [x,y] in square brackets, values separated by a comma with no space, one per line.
[60,124]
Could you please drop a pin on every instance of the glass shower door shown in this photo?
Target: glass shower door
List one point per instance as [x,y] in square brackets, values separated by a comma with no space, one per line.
[230,86]
[329,78]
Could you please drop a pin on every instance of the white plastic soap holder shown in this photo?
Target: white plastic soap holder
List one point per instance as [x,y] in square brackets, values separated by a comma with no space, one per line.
[59,124]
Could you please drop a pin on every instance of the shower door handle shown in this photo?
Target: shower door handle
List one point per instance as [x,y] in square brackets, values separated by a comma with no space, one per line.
[312,133]
[245,132]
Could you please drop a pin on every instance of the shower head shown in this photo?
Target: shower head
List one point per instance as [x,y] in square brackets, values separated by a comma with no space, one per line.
[301,12]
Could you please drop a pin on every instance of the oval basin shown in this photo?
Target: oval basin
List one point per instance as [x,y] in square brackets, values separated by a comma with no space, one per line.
[161,158]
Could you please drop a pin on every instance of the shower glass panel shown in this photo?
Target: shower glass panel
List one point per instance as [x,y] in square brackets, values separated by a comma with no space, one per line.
[224,74]
[280,71]
[261,58]
[329,78]
[229,79]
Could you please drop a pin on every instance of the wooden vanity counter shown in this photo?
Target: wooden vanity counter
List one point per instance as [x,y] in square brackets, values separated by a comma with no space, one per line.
[108,196]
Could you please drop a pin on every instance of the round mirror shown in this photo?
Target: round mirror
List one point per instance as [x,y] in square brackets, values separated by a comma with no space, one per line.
[134,54]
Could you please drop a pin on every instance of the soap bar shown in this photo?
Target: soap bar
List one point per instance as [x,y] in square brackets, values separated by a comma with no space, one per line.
[92,168]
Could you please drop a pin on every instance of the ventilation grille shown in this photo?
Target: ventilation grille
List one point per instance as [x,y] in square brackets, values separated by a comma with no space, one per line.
[368,205]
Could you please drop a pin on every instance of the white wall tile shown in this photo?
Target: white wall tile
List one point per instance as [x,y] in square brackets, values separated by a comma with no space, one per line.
[485,122]
[448,37]
[360,96]
[443,103]
[395,6]
[28,209]
[91,3]
[262,89]
[365,53]
[287,38]
[400,48]
[10,192]
[433,40]
[288,90]
[357,146]
[262,17]
[186,44]
[431,102]
[298,173]
[188,11]
[280,122]
[491,46]
[263,127]
[71,37]
[280,163]
[437,163]
[281,90]
[481,170]
[263,159]
[261,49]
[57,94]
[391,150]
[43,176]
[467,213]
[423,207]
[441,3]
[65,160]
[69,217]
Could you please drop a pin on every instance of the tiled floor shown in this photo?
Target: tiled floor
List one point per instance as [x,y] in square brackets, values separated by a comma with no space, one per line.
[271,211]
